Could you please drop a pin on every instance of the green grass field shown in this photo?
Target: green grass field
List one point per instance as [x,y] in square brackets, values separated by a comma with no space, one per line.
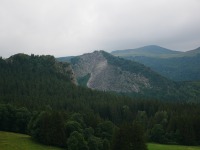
[14,141]
[152,146]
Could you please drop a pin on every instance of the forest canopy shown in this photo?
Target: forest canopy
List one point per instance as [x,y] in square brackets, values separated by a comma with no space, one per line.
[38,97]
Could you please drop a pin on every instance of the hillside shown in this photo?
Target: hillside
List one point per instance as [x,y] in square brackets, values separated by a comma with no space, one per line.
[102,71]
[38,96]
[28,79]
[177,66]
[148,51]
[177,69]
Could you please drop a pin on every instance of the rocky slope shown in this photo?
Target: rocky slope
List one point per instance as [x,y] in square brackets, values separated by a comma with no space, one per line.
[102,71]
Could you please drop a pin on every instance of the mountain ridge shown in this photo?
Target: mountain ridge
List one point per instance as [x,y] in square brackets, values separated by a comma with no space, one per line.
[150,51]
[155,52]
[182,66]
[102,71]
[29,79]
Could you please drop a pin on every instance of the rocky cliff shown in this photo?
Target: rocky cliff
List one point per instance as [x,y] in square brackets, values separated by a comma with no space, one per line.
[105,72]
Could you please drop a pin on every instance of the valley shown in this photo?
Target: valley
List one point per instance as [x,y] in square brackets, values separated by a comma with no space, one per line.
[99,75]
[100,70]
[111,103]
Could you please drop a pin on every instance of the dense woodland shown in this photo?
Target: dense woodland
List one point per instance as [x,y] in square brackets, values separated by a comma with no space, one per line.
[177,69]
[37,97]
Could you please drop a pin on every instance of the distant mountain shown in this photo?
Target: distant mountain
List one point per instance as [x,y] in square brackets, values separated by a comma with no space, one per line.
[192,52]
[177,69]
[36,81]
[102,71]
[65,59]
[178,66]
[148,51]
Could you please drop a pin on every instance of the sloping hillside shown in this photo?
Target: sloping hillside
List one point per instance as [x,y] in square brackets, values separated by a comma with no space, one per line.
[177,66]
[177,69]
[107,77]
[148,51]
[102,71]
[28,79]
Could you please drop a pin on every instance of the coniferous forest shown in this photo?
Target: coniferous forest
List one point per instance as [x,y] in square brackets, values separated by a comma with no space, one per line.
[38,97]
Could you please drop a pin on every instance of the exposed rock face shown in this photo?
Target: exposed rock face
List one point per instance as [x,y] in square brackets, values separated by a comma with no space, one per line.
[107,77]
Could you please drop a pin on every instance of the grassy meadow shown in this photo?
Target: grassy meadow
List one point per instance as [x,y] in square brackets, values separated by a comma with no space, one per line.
[152,146]
[15,141]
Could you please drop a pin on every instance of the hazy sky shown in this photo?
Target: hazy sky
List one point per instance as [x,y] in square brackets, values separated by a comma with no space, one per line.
[73,27]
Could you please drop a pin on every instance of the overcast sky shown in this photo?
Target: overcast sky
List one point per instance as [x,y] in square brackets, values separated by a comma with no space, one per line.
[74,27]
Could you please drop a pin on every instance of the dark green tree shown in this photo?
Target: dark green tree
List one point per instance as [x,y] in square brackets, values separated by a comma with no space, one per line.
[76,141]
[48,128]
[157,134]
[130,137]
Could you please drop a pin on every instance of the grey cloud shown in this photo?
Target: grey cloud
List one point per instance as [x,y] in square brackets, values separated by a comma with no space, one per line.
[73,27]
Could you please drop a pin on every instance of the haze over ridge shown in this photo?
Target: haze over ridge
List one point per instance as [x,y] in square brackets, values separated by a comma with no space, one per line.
[64,27]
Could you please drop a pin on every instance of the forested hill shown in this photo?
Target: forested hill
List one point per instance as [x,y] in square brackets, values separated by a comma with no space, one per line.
[38,95]
[153,51]
[38,81]
[28,79]
[177,69]
[175,65]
